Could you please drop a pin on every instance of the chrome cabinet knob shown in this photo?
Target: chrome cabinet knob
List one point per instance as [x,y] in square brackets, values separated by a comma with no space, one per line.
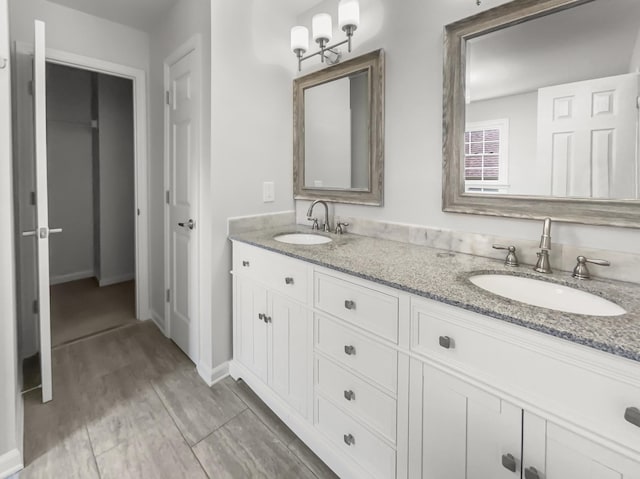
[288,280]
[531,473]
[349,395]
[350,350]
[509,462]
[351,305]
[349,440]
[445,342]
[632,415]
[261,316]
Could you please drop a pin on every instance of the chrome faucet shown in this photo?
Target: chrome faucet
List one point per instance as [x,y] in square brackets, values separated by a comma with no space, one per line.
[543,265]
[326,227]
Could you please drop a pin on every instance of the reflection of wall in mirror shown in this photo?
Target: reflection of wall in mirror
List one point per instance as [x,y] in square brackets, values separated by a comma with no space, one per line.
[360,131]
[327,127]
[520,110]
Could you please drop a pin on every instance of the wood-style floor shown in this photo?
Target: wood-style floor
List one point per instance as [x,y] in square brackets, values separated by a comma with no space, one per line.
[82,308]
[129,404]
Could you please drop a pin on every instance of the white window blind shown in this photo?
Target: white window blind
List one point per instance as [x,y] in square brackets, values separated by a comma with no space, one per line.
[485,155]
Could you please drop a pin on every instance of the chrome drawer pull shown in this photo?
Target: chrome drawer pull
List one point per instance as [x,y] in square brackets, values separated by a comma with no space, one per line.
[245,264]
[531,473]
[288,280]
[349,440]
[445,342]
[350,350]
[349,304]
[632,415]
[349,395]
[509,462]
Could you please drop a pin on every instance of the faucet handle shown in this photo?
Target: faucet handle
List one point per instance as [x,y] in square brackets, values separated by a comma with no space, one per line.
[511,259]
[340,228]
[582,272]
[314,226]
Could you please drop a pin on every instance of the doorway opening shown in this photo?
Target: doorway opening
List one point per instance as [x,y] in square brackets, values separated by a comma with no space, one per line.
[116,295]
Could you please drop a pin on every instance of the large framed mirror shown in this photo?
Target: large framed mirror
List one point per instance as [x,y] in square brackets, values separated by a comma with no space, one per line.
[338,132]
[541,112]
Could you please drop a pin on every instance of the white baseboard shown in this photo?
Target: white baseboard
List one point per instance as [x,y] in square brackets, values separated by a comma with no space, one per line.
[65,278]
[116,279]
[159,321]
[212,376]
[10,463]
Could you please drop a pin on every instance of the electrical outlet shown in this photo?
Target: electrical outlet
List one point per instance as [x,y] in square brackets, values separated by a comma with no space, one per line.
[268,192]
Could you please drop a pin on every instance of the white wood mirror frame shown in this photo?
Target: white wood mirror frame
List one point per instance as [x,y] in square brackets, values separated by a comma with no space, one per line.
[612,212]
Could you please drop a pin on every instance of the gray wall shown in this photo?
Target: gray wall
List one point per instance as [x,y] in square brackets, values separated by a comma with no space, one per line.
[70,172]
[116,196]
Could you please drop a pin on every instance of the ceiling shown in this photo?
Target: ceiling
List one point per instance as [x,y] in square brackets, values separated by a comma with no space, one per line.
[593,40]
[142,14]
[139,14]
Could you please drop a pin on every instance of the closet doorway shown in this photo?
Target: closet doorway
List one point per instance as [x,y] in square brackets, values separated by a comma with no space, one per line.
[91,169]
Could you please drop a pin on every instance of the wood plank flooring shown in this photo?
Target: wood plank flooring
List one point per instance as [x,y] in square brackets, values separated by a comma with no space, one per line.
[129,404]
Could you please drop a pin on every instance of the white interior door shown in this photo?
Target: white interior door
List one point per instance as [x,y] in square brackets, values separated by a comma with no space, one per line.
[42,230]
[183,155]
[587,135]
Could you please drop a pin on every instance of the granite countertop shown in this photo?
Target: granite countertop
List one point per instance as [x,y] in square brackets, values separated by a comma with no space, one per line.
[443,276]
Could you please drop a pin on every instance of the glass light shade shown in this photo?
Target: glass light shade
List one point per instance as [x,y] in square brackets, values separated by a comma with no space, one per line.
[348,13]
[299,39]
[322,27]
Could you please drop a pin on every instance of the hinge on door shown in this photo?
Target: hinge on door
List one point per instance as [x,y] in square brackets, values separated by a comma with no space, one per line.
[168,296]
[168,197]
[138,210]
[168,97]
[30,87]
[36,307]
[32,198]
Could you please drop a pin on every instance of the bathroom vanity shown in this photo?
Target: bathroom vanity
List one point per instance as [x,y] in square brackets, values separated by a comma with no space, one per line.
[389,363]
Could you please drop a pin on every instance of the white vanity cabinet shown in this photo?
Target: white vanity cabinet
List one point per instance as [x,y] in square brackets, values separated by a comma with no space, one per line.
[490,400]
[272,327]
[383,384]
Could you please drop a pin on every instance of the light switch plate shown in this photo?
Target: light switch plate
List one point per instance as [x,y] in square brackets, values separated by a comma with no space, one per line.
[268,192]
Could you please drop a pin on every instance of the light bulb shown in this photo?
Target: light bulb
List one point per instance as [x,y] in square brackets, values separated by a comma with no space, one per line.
[299,39]
[348,14]
[322,27]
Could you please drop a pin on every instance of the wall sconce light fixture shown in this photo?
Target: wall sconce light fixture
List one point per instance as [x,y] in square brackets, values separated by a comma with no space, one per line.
[322,29]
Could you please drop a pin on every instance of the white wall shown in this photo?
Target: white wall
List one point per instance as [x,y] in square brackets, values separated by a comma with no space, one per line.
[70,172]
[522,113]
[251,132]
[116,179]
[10,399]
[80,33]
[411,32]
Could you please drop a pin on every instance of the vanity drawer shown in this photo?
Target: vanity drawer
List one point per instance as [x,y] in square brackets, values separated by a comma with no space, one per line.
[355,440]
[356,396]
[363,355]
[370,309]
[577,384]
[280,273]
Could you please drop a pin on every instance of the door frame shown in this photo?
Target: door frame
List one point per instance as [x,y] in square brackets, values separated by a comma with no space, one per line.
[141,160]
[193,44]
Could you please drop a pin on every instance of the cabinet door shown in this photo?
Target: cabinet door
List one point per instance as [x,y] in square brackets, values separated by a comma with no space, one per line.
[251,328]
[466,431]
[290,345]
[553,452]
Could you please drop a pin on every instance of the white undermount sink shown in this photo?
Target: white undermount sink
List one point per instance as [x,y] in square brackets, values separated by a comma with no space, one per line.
[302,238]
[546,294]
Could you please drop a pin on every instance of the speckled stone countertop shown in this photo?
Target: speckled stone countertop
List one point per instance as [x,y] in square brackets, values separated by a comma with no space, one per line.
[443,276]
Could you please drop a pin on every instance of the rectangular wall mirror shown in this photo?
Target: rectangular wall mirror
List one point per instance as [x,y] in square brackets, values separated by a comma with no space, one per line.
[541,112]
[339,132]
